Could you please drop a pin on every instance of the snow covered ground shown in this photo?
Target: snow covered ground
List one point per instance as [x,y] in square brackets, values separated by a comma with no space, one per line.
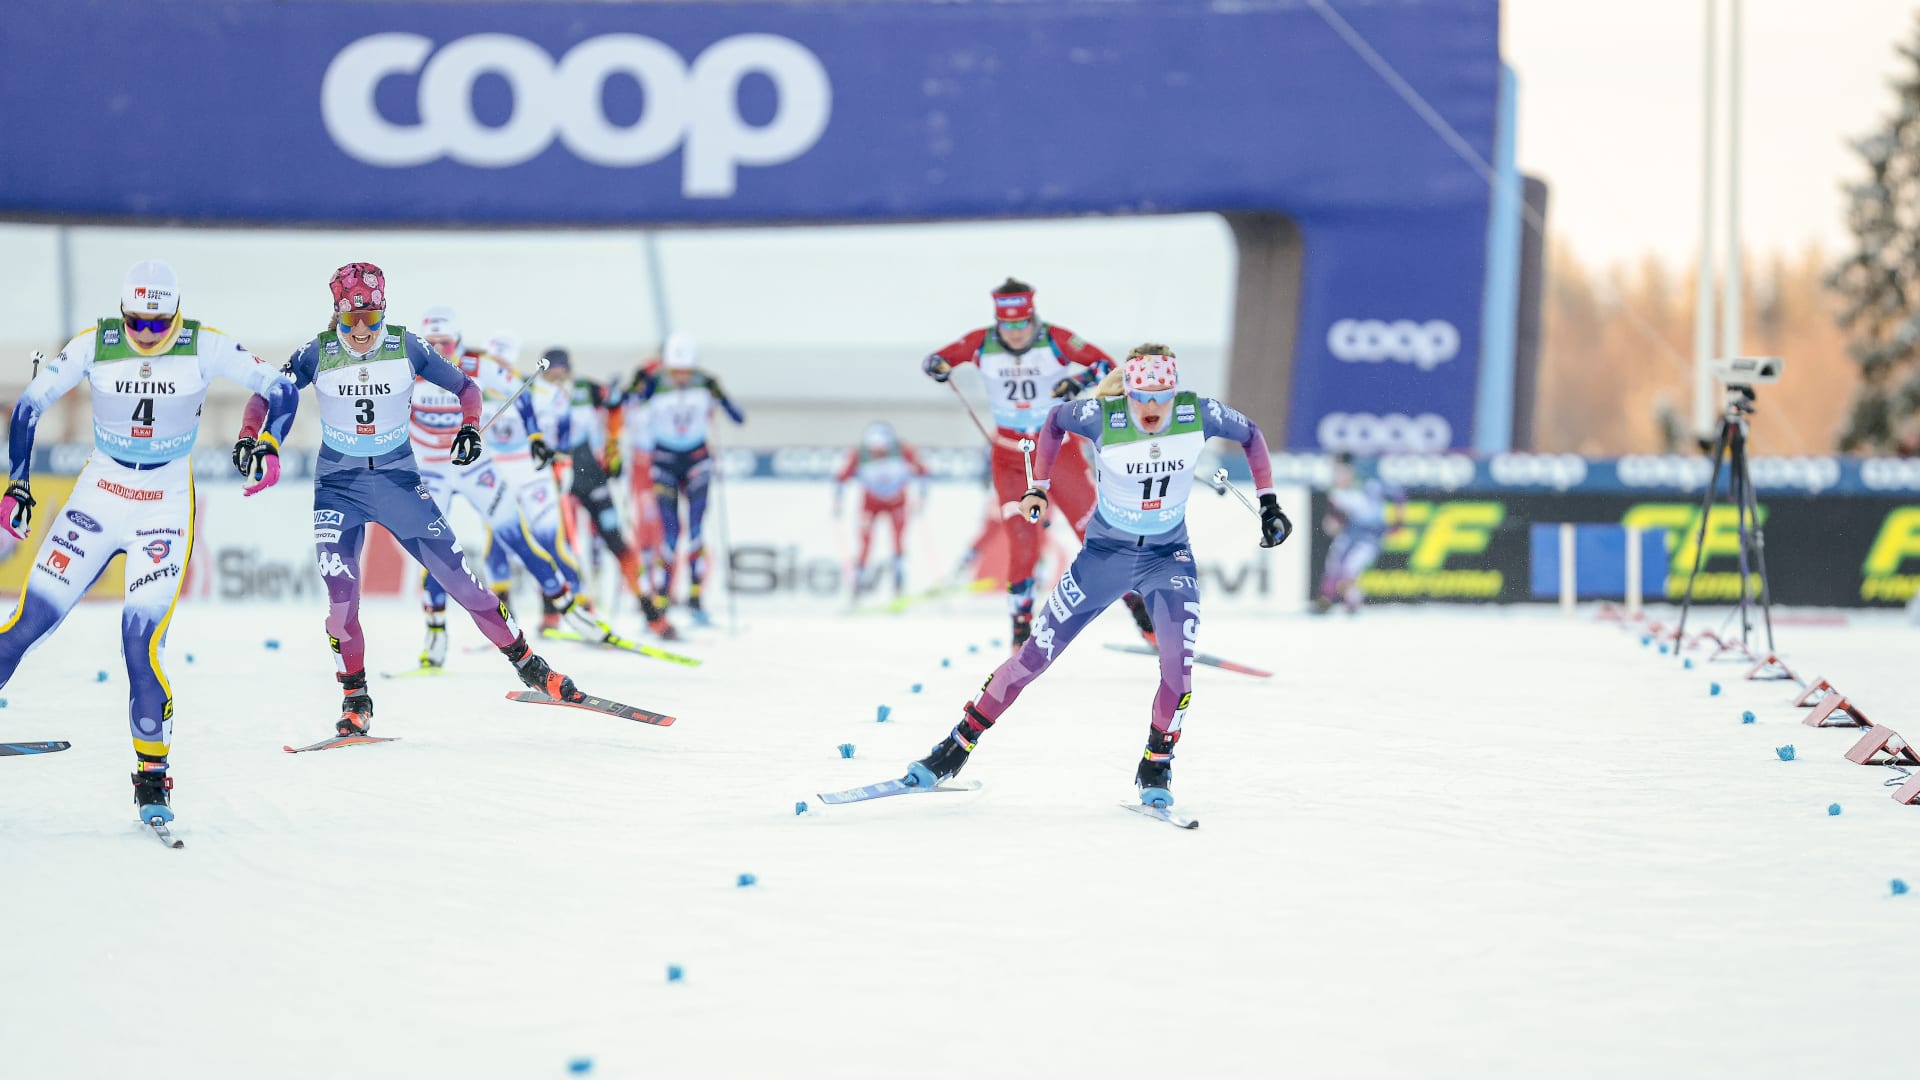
[1440,843]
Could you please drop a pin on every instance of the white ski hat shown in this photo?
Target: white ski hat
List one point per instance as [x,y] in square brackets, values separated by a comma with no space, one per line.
[678,352]
[440,321]
[150,289]
[879,435]
[506,347]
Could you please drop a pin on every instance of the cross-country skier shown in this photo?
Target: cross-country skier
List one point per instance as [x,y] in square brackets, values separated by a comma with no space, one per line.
[1020,358]
[491,484]
[519,449]
[363,371]
[883,465]
[680,403]
[148,371]
[1148,434]
[587,425]
[1358,517]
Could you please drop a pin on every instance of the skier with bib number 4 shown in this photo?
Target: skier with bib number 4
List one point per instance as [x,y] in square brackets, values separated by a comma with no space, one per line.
[1147,435]
[362,370]
[148,372]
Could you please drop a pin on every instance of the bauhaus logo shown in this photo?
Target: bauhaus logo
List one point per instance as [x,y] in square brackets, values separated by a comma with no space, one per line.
[694,107]
[1425,345]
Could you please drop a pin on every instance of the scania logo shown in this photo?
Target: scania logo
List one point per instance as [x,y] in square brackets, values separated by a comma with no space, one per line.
[696,105]
[1365,433]
[1425,345]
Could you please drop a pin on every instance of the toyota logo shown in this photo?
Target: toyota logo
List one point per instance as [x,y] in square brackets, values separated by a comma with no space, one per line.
[1425,345]
[692,105]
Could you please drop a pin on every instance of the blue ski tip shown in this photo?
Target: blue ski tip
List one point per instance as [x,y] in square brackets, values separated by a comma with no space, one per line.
[1156,796]
[919,775]
[148,813]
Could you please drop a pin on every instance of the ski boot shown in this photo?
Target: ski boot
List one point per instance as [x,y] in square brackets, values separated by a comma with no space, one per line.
[356,706]
[1154,776]
[656,615]
[698,612]
[950,756]
[573,610]
[1138,607]
[150,787]
[434,654]
[550,614]
[534,672]
[1022,628]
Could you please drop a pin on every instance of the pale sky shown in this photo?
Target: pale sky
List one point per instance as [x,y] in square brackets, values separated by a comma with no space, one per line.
[1610,116]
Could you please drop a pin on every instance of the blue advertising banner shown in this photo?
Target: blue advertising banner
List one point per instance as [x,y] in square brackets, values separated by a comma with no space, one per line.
[1363,121]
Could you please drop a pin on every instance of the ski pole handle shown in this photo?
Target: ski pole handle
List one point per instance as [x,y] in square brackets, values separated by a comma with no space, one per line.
[540,366]
[1026,457]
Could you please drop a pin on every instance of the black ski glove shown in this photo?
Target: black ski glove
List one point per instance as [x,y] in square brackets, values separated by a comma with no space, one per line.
[466,445]
[243,450]
[937,369]
[542,453]
[1274,526]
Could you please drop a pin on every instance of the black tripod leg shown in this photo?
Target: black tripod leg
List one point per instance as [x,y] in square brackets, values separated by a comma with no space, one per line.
[1758,540]
[1739,481]
[1700,540]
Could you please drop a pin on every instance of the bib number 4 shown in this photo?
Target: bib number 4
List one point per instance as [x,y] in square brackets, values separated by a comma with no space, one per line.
[143,418]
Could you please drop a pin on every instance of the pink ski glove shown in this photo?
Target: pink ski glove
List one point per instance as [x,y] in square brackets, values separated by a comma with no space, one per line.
[266,468]
[16,510]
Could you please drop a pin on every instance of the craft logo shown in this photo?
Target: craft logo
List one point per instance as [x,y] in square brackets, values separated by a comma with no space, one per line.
[1886,574]
[158,549]
[1442,544]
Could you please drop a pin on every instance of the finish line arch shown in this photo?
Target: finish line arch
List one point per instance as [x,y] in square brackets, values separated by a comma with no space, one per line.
[1362,234]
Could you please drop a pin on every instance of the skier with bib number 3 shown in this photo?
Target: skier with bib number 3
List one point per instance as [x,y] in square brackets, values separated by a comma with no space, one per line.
[362,369]
[1147,435]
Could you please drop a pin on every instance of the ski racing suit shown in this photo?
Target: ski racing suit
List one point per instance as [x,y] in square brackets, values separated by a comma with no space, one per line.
[1361,509]
[1137,541]
[493,488]
[134,497]
[367,473]
[678,417]
[1018,385]
[883,477]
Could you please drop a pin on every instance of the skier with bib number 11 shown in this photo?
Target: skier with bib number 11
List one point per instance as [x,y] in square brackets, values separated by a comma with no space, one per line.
[1147,435]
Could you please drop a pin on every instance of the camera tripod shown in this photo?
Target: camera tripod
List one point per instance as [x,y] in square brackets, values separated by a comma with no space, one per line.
[1732,446]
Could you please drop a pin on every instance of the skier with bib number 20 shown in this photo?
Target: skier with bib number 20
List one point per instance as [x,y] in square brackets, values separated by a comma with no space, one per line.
[1148,435]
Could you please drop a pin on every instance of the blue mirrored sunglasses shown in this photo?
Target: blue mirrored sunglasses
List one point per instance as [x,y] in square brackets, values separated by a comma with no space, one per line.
[371,318]
[1152,397]
[147,326]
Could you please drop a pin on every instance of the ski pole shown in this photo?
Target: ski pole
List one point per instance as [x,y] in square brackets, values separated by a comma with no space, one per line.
[975,417]
[1026,455]
[541,366]
[1223,485]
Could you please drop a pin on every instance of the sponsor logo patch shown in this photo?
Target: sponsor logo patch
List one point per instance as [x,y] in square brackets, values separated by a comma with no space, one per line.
[125,492]
[83,521]
[158,549]
[328,517]
[58,561]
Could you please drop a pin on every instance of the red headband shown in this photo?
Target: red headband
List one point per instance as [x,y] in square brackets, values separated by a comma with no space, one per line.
[1012,307]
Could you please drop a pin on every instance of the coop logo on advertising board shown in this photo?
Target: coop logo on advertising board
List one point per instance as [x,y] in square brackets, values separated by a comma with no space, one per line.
[691,106]
[1425,345]
[1365,433]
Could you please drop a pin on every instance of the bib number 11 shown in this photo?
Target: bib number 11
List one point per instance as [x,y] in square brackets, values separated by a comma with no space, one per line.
[1146,487]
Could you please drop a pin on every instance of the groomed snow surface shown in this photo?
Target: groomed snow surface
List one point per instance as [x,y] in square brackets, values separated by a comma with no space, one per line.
[1440,843]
